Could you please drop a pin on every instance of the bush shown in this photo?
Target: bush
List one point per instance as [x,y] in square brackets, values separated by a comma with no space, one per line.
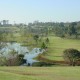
[12,59]
[20,59]
[36,37]
[16,61]
[71,56]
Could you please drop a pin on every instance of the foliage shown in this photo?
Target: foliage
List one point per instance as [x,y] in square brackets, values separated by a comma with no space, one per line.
[3,61]
[12,59]
[72,55]
[20,59]
[36,37]
[67,30]
[47,40]
[43,46]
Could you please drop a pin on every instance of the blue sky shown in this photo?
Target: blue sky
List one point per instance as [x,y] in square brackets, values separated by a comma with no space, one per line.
[43,10]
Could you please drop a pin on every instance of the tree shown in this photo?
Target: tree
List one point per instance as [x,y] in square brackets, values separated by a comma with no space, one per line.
[36,37]
[21,59]
[15,59]
[72,56]
[13,53]
[72,29]
[43,46]
[47,40]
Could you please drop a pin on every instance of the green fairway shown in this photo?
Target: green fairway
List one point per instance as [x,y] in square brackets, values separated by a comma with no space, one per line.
[9,28]
[57,45]
[39,73]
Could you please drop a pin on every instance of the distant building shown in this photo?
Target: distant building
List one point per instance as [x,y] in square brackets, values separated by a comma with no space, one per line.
[0,23]
[5,22]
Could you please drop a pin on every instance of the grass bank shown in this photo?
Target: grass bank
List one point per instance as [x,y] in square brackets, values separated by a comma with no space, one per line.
[39,73]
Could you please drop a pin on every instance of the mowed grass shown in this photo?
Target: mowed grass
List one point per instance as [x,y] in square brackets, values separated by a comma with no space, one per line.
[10,29]
[57,45]
[39,73]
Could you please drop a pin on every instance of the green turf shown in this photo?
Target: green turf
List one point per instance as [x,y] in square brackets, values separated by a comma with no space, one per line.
[58,45]
[39,73]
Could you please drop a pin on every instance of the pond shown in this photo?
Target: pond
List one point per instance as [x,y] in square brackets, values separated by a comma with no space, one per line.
[29,55]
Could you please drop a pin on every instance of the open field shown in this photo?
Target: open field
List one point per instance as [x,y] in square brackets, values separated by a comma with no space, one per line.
[9,29]
[57,45]
[39,73]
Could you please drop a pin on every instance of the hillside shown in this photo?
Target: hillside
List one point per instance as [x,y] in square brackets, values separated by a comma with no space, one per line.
[57,45]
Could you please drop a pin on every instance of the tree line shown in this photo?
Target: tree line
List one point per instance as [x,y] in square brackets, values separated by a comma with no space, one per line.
[67,30]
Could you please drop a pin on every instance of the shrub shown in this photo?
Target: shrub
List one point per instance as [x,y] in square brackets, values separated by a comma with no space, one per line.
[72,56]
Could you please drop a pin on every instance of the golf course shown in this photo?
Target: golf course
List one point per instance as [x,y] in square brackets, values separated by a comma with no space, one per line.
[39,73]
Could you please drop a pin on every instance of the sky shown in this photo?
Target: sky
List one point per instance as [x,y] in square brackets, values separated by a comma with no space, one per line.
[25,11]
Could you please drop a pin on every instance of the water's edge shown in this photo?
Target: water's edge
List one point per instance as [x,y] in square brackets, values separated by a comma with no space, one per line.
[28,55]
